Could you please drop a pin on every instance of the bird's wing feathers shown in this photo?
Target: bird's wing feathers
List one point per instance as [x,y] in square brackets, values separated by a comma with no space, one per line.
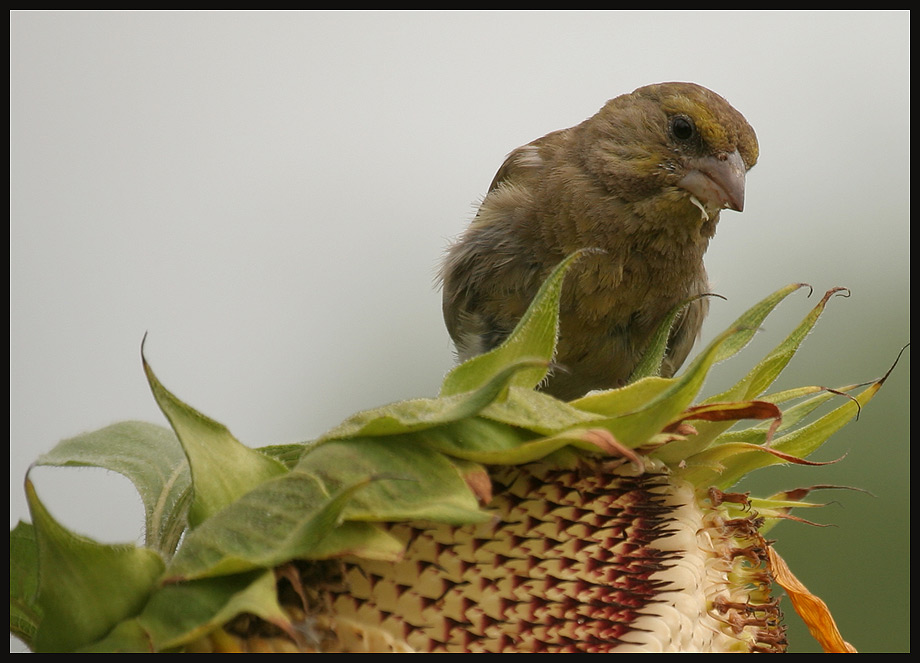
[529,160]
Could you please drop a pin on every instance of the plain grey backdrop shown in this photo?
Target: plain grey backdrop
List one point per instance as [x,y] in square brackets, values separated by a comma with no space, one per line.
[268,195]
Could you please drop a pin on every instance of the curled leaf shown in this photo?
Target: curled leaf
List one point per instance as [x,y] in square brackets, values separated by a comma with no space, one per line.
[813,611]
[85,588]
[222,468]
[534,337]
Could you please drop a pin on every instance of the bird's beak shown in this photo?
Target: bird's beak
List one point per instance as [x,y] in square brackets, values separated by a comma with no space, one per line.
[717,181]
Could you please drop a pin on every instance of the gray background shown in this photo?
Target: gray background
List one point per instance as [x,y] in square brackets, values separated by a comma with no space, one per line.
[267,196]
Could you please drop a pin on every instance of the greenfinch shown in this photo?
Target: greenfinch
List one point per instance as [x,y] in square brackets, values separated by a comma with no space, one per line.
[643,181]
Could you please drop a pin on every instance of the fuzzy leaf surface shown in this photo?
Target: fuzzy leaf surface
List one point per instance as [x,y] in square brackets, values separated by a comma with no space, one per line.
[152,458]
[534,337]
[85,588]
[25,615]
[222,468]
[178,614]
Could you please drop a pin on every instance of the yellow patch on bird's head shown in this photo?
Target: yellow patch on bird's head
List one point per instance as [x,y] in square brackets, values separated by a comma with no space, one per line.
[712,130]
[721,127]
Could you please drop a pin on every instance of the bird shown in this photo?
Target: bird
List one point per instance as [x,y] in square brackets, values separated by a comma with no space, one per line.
[641,183]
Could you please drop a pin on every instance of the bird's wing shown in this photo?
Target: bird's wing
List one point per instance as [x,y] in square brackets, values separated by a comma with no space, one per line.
[529,160]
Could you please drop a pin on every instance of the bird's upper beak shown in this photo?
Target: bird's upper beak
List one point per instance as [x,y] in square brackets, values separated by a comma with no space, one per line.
[717,180]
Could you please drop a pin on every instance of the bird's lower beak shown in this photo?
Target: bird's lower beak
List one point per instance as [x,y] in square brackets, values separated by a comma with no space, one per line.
[717,181]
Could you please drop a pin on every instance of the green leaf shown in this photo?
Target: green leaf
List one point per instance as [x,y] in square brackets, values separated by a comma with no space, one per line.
[128,637]
[179,614]
[208,604]
[796,413]
[639,411]
[25,615]
[85,588]
[493,443]
[758,379]
[360,539]
[635,428]
[791,416]
[222,468]
[152,458]
[725,464]
[653,355]
[411,480]
[475,439]
[750,321]
[768,369]
[538,412]
[283,519]
[804,440]
[625,400]
[287,454]
[421,413]
[534,337]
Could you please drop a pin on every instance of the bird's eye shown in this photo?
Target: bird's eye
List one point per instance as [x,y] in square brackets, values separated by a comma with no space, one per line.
[682,127]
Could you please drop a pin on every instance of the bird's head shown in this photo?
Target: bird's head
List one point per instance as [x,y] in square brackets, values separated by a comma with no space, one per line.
[677,139]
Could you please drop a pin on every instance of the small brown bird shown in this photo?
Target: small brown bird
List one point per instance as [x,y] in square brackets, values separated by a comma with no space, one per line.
[644,181]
